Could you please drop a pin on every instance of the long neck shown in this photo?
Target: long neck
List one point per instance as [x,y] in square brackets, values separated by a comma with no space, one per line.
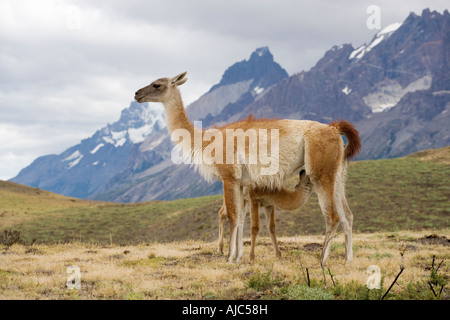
[176,116]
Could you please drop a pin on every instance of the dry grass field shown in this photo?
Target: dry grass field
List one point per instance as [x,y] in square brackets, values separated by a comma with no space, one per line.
[194,270]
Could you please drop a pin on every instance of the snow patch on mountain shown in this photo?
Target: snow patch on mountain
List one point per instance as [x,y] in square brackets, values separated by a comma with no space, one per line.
[76,157]
[262,51]
[375,42]
[358,53]
[258,90]
[117,139]
[388,93]
[380,36]
[137,135]
[390,28]
[93,151]
[75,162]
[346,90]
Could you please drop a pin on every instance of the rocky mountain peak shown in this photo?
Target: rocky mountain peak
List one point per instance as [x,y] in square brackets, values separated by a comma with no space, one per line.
[261,54]
[260,65]
[241,83]
[137,122]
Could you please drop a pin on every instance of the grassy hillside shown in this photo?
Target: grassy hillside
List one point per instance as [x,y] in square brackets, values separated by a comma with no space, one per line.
[164,249]
[19,203]
[385,195]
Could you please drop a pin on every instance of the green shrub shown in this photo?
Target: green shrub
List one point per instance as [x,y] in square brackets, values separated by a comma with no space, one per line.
[356,291]
[264,281]
[303,292]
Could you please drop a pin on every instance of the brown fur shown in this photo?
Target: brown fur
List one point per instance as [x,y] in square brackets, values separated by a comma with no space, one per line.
[316,146]
[244,123]
[354,141]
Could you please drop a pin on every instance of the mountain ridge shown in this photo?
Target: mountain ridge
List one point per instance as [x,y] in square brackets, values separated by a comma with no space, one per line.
[395,90]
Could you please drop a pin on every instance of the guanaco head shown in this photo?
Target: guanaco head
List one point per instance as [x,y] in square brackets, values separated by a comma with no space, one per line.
[304,180]
[160,89]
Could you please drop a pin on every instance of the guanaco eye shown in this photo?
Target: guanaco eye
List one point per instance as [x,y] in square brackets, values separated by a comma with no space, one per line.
[156,86]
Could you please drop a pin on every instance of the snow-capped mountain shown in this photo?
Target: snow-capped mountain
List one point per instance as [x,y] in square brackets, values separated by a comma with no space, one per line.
[395,88]
[82,170]
[136,123]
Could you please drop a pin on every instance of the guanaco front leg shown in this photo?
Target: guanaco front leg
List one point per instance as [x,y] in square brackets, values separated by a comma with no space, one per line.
[232,200]
[222,217]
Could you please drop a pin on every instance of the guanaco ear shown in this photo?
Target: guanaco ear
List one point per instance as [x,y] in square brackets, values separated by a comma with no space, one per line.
[179,79]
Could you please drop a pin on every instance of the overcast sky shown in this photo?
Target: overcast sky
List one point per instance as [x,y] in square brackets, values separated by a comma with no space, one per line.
[67,68]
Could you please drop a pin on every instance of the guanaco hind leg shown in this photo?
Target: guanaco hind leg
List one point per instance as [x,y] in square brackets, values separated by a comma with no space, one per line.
[254,213]
[270,217]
